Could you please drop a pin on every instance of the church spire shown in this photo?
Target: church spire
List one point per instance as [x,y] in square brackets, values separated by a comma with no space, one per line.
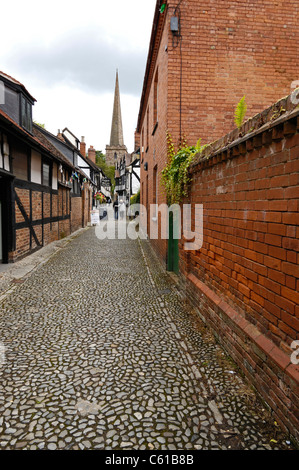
[117,148]
[116,137]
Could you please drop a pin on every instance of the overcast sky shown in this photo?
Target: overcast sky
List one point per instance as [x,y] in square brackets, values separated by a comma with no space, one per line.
[66,54]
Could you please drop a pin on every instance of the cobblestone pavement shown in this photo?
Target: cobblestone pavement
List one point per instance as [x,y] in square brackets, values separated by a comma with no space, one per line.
[101,352]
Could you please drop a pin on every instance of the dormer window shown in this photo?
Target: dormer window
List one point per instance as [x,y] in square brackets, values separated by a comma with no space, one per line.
[26,114]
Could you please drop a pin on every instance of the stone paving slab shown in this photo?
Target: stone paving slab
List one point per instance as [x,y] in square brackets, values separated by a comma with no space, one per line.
[101,352]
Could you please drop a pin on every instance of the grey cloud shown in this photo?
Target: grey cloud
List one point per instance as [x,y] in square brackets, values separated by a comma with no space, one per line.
[82,59]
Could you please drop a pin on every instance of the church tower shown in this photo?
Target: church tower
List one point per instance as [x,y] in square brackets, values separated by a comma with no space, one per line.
[116,149]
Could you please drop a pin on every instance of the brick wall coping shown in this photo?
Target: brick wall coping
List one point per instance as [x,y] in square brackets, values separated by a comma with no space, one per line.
[277,114]
[280,358]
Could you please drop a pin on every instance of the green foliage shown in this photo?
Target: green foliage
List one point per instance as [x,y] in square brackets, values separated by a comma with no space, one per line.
[40,125]
[240,112]
[175,176]
[100,157]
[108,171]
[135,199]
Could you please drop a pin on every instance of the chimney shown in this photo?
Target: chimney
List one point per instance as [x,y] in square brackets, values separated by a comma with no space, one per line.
[83,147]
[59,135]
[92,154]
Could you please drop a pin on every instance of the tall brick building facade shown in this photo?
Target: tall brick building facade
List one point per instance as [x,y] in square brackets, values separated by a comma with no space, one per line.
[200,64]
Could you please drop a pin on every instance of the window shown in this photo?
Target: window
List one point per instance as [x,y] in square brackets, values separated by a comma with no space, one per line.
[142,143]
[46,174]
[61,174]
[4,153]
[156,89]
[147,126]
[26,114]
[76,189]
[20,161]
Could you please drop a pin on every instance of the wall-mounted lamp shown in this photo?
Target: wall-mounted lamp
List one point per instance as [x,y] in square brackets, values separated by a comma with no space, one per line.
[174,25]
[145,166]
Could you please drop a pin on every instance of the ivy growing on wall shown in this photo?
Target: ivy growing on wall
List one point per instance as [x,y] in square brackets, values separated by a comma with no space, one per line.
[175,175]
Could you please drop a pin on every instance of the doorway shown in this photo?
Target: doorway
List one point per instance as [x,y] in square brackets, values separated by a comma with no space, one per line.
[6,218]
[1,244]
[173,244]
[2,195]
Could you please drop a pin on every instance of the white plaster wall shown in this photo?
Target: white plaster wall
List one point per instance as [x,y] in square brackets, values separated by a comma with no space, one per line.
[36,167]
[54,177]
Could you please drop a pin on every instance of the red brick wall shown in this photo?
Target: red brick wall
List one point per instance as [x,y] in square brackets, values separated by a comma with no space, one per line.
[54,205]
[24,195]
[251,227]
[36,205]
[76,213]
[64,205]
[245,278]
[22,235]
[42,208]
[229,49]
[45,206]
[22,242]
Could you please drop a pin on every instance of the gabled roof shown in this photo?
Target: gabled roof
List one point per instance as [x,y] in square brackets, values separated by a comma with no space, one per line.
[38,140]
[40,135]
[87,160]
[65,141]
[35,139]
[16,82]
[64,136]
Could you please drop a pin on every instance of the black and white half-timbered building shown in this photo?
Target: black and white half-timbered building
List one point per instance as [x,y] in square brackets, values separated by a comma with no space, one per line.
[133,175]
[127,176]
[36,180]
[84,161]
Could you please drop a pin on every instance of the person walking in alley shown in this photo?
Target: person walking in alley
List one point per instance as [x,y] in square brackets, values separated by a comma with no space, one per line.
[115,207]
[122,209]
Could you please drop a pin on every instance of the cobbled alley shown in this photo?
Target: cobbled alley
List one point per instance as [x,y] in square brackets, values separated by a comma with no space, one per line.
[101,351]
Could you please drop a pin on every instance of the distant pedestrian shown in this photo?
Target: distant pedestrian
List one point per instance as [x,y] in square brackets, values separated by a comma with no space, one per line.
[115,207]
[122,209]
